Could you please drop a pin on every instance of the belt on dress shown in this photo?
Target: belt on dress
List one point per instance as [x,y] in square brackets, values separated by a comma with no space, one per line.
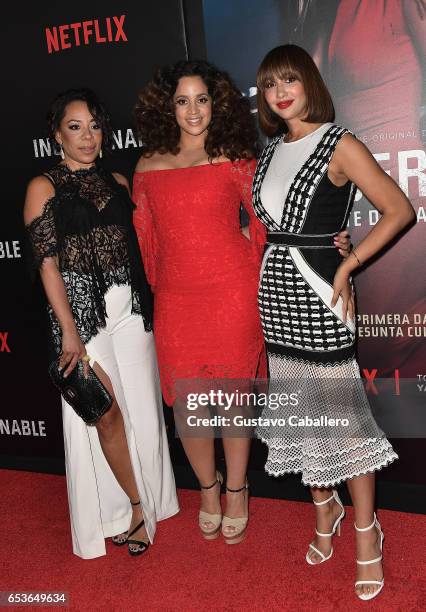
[300,240]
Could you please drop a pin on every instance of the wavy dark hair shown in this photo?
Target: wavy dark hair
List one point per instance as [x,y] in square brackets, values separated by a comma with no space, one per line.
[96,108]
[231,132]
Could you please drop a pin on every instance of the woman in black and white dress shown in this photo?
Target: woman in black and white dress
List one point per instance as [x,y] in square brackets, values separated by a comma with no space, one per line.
[303,192]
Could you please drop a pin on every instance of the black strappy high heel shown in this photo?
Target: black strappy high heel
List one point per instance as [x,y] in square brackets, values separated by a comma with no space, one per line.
[142,546]
[120,539]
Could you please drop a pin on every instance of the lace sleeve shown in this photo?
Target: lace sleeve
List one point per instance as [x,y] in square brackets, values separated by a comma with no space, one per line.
[243,176]
[142,221]
[42,235]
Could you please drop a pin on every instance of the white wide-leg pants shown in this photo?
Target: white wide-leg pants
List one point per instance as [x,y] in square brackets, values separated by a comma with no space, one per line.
[99,508]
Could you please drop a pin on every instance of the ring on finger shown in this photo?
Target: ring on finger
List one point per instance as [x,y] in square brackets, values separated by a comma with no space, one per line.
[85,357]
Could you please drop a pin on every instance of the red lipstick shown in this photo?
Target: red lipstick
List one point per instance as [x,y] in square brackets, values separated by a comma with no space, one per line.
[284,104]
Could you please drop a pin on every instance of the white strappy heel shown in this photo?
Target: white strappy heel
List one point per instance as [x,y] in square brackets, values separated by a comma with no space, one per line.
[380,583]
[336,527]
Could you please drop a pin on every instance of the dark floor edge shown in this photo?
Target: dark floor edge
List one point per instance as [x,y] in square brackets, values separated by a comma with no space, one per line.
[43,465]
[399,496]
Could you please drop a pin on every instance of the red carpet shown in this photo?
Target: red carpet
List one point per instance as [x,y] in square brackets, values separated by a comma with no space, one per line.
[182,572]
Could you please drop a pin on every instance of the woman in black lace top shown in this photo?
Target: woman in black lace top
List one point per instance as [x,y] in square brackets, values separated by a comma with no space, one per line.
[79,219]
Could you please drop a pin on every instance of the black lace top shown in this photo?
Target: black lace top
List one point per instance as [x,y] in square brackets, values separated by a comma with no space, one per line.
[88,225]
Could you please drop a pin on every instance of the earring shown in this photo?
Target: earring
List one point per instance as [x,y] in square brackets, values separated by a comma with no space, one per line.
[100,153]
[61,152]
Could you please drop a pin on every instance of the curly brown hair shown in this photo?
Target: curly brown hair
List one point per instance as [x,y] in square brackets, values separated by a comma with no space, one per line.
[231,132]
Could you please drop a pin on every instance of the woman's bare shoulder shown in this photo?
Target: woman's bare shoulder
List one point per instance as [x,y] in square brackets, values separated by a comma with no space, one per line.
[158,161]
[39,190]
[349,147]
[40,185]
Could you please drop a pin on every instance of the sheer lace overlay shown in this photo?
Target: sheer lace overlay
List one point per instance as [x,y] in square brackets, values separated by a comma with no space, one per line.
[204,272]
[90,184]
[323,457]
[88,226]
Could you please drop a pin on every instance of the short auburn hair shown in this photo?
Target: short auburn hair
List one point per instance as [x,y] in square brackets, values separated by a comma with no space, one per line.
[292,61]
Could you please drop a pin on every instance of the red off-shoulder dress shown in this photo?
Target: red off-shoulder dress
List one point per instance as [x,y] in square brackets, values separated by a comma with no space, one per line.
[204,272]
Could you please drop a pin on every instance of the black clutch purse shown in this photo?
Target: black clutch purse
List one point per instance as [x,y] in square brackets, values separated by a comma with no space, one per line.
[88,396]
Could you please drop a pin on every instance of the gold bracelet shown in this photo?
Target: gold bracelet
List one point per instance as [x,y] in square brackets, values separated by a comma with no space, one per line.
[356,256]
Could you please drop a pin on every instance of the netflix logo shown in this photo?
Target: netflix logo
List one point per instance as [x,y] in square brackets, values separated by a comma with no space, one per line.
[93,31]
[4,346]
[371,381]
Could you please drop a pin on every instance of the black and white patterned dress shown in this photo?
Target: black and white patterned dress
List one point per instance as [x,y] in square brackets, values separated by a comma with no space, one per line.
[311,350]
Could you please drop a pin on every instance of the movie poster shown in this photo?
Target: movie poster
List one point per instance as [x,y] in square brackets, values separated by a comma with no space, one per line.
[372,55]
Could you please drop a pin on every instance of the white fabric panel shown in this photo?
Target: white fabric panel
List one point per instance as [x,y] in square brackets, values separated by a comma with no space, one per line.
[320,287]
[286,162]
[99,507]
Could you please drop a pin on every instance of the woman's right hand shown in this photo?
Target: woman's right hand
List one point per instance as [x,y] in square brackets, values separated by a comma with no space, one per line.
[72,350]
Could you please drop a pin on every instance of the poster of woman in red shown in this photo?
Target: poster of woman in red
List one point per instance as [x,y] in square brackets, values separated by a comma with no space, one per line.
[376,57]
[373,56]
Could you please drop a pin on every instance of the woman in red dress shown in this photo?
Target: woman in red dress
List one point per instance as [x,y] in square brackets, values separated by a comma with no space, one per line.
[197,167]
